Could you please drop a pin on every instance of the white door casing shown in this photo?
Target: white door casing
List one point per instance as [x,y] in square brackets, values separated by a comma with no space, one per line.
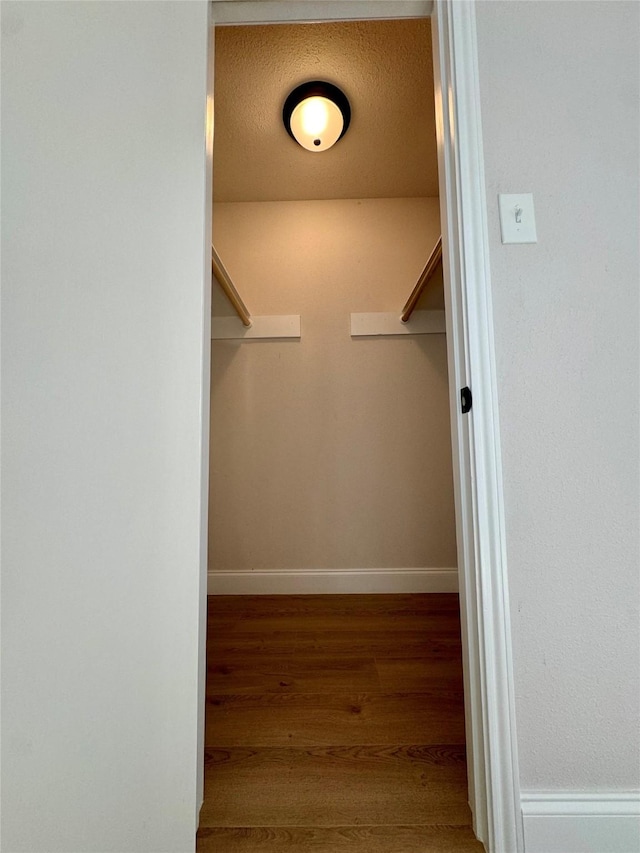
[489,697]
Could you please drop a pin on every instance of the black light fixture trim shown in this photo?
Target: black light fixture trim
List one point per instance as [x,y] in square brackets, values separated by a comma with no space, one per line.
[309,90]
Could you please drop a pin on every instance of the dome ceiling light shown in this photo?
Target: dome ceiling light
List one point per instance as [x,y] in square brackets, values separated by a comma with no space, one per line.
[316,115]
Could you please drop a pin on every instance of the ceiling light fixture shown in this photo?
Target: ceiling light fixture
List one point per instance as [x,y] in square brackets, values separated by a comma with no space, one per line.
[316,115]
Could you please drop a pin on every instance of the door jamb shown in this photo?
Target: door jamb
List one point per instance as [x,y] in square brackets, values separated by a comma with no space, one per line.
[205,415]
[489,694]
[494,784]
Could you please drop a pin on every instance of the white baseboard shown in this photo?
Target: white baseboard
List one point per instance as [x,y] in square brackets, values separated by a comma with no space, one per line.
[327,581]
[575,822]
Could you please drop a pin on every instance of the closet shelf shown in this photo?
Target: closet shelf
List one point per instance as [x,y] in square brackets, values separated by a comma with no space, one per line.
[265,327]
[244,326]
[224,280]
[408,323]
[379,323]
[434,259]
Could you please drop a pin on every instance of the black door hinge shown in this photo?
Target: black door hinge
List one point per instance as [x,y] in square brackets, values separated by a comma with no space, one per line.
[466,400]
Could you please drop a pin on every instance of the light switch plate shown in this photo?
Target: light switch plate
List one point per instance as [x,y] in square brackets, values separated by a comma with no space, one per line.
[517,218]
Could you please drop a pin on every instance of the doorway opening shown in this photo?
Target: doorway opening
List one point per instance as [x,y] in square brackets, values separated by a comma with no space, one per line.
[331,467]
[348,481]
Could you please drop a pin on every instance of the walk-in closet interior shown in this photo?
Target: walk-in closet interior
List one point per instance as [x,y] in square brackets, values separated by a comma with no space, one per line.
[335,712]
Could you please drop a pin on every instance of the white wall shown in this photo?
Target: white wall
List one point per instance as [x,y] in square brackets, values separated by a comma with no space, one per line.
[330,452]
[559,86]
[103,227]
[103,216]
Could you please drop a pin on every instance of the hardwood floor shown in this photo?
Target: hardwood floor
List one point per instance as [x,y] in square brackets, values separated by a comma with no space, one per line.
[335,723]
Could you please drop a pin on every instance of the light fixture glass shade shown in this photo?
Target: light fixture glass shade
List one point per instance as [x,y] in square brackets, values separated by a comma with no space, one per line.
[316,115]
[317,123]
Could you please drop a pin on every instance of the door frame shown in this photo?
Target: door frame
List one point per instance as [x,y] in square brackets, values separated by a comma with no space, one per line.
[494,791]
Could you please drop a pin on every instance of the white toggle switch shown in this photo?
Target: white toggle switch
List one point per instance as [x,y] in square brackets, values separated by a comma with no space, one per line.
[517,219]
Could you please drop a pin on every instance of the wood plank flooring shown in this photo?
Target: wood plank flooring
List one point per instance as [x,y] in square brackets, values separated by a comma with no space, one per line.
[335,723]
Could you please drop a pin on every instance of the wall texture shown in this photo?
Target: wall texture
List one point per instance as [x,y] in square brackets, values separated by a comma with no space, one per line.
[329,452]
[560,102]
[103,221]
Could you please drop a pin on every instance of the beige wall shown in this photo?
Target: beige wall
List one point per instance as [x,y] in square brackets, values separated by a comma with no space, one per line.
[329,452]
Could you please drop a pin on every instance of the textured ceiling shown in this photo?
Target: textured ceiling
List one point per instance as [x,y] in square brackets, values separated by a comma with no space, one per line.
[384,68]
